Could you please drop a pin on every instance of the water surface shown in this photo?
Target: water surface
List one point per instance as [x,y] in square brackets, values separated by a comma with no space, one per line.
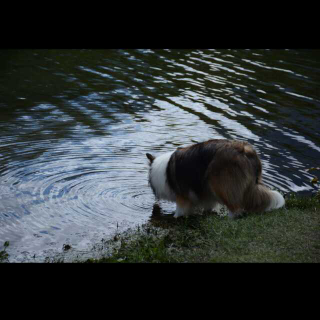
[75,126]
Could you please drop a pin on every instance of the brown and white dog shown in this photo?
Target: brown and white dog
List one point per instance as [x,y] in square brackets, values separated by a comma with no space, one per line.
[205,174]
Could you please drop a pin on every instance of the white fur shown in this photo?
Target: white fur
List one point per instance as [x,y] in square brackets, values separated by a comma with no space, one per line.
[196,206]
[277,200]
[180,212]
[158,177]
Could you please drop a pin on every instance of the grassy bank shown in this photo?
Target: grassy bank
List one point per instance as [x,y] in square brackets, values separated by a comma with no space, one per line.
[291,234]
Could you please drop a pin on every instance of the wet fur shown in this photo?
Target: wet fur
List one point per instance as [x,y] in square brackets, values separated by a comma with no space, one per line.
[221,171]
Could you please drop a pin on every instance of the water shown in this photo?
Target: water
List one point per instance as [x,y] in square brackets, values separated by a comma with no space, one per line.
[75,126]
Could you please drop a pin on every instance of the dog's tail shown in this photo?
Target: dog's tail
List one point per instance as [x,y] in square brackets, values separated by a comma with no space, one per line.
[260,198]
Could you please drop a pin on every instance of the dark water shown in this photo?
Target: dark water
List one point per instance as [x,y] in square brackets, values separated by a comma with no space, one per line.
[75,126]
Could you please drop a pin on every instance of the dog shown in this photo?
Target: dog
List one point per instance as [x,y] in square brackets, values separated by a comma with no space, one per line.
[217,171]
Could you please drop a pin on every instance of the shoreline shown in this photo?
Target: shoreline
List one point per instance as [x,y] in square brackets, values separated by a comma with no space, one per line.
[289,234]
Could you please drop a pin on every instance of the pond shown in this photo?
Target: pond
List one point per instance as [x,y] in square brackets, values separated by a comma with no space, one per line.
[75,126]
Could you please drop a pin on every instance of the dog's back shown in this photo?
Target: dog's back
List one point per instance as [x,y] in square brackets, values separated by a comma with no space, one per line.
[192,167]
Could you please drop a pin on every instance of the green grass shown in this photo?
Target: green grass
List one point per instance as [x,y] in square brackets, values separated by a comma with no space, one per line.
[4,256]
[291,234]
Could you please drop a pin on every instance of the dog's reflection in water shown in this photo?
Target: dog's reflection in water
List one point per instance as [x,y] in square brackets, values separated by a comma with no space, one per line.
[158,214]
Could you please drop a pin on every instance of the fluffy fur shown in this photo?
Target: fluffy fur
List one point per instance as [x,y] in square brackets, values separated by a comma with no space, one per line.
[206,174]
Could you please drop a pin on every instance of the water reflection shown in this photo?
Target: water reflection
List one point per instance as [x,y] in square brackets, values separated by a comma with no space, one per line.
[75,126]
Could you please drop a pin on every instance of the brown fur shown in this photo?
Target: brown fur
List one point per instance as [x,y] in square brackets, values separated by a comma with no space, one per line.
[236,178]
[233,174]
[183,202]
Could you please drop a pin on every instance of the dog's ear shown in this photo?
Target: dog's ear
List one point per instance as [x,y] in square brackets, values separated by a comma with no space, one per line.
[150,157]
